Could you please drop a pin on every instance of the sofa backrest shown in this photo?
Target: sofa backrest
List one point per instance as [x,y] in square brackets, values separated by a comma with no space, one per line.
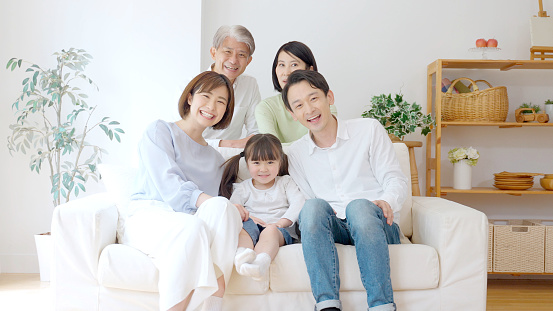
[117,180]
[402,154]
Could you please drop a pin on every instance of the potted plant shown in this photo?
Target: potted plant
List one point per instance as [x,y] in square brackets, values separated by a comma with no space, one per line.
[398,117]
[53,121]
[536,108]
[549,108]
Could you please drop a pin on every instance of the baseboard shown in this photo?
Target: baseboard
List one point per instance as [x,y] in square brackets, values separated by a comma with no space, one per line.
[18,263]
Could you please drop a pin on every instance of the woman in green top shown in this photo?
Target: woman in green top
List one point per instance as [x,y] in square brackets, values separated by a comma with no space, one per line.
[271,114]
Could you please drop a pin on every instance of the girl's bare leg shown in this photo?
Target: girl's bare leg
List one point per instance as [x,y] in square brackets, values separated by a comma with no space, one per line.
[270,241]
[266,249]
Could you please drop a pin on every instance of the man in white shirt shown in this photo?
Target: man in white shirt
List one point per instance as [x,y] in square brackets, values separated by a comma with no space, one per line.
[232,51]
[349,172]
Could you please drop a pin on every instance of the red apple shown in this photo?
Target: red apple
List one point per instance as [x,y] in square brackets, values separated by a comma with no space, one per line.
[481,43]
[492,43]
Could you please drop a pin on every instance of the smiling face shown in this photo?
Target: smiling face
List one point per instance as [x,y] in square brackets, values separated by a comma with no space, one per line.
[263,172]
[310,106]
[231,58]
[288,63]
[208,108]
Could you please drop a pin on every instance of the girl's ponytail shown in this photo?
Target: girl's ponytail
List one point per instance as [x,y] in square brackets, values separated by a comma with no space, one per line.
[230,174]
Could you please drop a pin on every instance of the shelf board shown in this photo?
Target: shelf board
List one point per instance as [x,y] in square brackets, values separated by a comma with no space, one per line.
[493,190]
[493,64]
[499,124]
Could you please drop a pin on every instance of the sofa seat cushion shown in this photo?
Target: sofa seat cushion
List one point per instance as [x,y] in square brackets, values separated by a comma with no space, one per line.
[413,267]
[124,267]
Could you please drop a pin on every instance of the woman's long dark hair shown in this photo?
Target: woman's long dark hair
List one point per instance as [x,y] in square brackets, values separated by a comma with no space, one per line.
[260,147]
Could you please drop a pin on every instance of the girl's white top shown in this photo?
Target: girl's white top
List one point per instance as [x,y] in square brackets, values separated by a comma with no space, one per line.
[283,200]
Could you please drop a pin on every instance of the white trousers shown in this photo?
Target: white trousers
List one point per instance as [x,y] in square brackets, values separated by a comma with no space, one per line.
[190,251]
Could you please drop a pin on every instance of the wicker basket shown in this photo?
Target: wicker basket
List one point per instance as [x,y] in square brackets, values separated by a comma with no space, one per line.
[518,246]
[490,246]
[489,105]
[548,244]
[549,247]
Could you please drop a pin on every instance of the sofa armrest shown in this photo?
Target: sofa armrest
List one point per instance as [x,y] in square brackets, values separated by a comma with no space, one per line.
[81,229]
[460,236]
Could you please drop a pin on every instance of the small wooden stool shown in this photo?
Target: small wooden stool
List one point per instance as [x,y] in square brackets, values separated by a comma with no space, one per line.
[541,52]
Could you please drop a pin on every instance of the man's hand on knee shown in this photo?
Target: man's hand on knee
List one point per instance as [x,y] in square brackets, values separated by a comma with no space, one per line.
[386,210]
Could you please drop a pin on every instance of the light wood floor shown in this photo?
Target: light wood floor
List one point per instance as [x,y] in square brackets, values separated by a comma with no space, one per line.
[26,292]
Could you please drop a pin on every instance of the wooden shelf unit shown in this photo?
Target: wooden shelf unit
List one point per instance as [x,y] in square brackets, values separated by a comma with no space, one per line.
[435,70]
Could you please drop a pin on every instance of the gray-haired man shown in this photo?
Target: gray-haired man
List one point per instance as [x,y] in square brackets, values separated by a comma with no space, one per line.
[232,51]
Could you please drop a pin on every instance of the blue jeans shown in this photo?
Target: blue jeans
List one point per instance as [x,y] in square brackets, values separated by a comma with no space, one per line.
[365,227]
[254,230]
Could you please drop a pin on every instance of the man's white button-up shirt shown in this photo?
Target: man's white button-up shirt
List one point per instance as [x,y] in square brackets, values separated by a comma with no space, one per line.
[361,164]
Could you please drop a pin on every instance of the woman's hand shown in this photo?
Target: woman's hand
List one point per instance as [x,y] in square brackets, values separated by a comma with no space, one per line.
[258,221]
[386,209]
[244,214]
[284,223]
[238,143]
[202,198]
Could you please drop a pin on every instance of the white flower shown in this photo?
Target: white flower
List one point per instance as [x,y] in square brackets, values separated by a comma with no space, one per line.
[457,154]
[472,153]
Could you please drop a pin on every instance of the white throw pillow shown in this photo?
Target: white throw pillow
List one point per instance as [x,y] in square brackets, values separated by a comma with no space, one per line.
[119,181]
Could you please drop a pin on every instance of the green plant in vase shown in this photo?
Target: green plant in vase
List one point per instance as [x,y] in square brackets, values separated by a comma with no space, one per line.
[398,117]
[54,121]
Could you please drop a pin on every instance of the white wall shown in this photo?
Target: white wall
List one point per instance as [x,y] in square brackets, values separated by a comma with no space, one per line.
[144,53]
[365,48]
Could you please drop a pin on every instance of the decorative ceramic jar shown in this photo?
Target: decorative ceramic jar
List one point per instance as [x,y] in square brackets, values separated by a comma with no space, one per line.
[462,175]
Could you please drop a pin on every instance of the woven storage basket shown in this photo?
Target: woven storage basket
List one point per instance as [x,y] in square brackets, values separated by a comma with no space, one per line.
[549,248]
[518,246]
[548,244]
[489,105]
[490,246]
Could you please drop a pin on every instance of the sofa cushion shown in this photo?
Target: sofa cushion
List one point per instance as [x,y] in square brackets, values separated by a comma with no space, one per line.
[413,267]
[122,266]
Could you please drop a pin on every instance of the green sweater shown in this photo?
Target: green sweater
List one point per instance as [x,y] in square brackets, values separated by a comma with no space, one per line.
[273,118]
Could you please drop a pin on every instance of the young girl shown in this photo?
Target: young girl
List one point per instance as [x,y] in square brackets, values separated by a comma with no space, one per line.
[272,199]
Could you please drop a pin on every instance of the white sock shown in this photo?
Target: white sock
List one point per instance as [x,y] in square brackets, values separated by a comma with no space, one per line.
[243,255]
[213,304]
[258,268]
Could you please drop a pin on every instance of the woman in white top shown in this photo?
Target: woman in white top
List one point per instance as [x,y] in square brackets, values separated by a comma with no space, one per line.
[272,199]
[174,215]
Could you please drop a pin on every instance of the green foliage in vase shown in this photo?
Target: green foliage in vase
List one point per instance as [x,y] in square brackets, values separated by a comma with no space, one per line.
[53,121]
[549,102]
[536,108]
[398,116]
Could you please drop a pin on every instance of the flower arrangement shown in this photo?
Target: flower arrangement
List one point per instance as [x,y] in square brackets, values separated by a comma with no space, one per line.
[461,153]
[398,117]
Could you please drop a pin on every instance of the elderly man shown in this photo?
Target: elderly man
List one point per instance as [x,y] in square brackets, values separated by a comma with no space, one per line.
[232,51]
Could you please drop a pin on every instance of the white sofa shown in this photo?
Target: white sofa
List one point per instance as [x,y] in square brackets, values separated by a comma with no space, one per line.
[441,265]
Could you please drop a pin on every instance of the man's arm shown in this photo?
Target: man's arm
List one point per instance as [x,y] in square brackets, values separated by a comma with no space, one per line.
[386,169]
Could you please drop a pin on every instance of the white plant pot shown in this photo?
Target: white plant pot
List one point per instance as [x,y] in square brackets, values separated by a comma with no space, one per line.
[45,253]
[462,175]
[549,111]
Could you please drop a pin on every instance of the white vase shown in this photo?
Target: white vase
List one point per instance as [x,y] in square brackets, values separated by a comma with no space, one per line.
[549,111]
[462,175]
[45,253]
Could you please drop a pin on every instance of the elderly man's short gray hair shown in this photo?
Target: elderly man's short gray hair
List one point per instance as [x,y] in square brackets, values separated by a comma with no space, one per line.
[238,32]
